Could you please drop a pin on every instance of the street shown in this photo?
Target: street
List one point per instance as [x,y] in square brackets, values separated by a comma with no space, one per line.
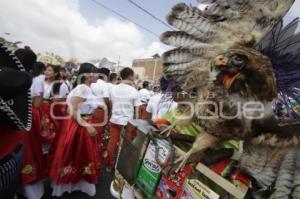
[103,190]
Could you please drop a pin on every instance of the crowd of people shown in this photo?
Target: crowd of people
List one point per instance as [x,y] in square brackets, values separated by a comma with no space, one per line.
[70,115]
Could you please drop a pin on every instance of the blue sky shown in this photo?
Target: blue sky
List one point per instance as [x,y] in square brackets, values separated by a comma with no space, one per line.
[159,8]
[81,29]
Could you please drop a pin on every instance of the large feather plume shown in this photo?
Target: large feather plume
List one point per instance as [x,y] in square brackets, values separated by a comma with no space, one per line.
[282,46]
[204,34]
[274,159]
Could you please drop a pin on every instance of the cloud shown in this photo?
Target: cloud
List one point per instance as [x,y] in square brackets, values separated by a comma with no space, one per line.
[295,10]
[293,13]
[57,26]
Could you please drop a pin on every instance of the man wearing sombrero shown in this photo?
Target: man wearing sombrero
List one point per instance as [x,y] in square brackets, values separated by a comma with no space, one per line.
[15,119]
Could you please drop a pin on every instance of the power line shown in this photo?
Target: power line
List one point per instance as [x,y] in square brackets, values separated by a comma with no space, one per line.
[149,13]
[124,17]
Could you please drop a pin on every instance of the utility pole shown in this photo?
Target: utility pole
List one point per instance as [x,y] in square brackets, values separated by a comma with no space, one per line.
[118,64]
[154,71]
[156,58]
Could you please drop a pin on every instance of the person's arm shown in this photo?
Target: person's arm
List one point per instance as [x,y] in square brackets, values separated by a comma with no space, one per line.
[37,101]
[74,112]
[110,94]
[106,96]
[149,109]
[37,91]
[136,103]
[136,112]
[107,103]
[110,108]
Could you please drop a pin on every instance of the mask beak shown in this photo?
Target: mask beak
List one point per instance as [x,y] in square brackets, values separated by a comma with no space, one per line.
[229,79]
[221,61]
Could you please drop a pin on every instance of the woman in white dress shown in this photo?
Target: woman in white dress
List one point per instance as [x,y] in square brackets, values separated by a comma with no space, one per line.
[76,165]
[34,170]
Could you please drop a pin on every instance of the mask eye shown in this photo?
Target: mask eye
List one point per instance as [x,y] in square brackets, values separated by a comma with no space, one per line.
[237,60]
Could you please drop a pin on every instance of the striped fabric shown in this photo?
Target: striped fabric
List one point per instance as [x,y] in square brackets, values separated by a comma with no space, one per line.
[10,169]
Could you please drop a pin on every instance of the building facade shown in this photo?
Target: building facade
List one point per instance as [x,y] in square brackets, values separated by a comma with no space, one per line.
[148,69]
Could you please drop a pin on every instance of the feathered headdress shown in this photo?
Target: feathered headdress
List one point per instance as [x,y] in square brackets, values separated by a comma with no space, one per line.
[282,46]
[205,34]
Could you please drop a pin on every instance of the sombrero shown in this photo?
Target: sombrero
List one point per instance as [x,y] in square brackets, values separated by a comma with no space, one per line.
[15,98]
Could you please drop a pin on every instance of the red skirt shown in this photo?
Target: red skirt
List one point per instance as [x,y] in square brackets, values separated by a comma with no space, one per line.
[100,121]
[143,114]
[49,125]
[76,157]
[59,113]
[9,140]
[35,162]
[60,110]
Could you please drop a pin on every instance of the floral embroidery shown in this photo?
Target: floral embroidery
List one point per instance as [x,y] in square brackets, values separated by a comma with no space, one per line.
[88,170]
[64,110]
[28,169]
[67,171]
[48,128]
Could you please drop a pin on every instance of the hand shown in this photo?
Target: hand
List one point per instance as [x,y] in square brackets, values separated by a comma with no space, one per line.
[91,130]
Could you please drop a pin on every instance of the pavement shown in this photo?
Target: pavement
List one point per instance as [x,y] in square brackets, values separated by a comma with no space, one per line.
[103,190]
